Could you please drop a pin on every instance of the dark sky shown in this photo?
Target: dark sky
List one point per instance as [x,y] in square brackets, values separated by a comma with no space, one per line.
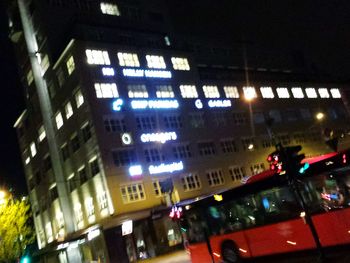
[319,29]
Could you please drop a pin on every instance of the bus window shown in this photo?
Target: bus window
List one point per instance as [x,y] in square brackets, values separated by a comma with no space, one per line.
[196,226]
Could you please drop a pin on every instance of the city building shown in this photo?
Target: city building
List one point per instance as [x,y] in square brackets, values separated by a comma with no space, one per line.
[120,110]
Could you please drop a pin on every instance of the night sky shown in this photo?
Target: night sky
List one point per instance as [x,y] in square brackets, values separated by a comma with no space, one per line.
[318,29]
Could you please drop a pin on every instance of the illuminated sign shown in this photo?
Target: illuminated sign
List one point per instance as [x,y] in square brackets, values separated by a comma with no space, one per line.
[117,105]
[218,198]
[130,72]
[126,138]
[107,71]
[154,104]
[198,103]
[166,168]
[93,234]
[219,103]
[127,228]
[135,170]
[158,137]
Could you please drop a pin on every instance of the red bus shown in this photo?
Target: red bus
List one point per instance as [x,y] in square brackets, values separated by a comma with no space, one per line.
[262,217]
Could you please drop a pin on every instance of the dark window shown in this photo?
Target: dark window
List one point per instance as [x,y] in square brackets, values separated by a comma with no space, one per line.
[173,121]
[73,183]
[47,163]
[75,144]
[65,152]
[206,148]
[239,118]
[86,132]
[219,119]
[114,125]
[94,167]
[53,193]
[153,155]
[197,120]
[37,177]
[182,151]
[124,157]
[146,123]
[82,175]
[228,146]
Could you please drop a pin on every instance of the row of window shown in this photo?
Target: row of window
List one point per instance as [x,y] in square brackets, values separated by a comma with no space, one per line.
[101,57]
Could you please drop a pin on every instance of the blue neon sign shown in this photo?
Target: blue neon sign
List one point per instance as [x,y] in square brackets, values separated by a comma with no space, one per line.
[117,104]
[161,137]
[154,104]
[219,103]
[148,73]
[135,170]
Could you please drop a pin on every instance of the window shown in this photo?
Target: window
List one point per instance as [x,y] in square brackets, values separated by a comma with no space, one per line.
[124,157]
[97,57]
[65,151]
[267,142]
[75,143]
[290,115]
[102,199]
[153,155]
[197,119]
[73,182]
[78,213]
[284,139]
[33,149]
[132,192]
[79,99]
[267,93]
[249,93]
[173,121]
[191,182]
[167,41]
[47,165]
[30,77]
[68,110]
[86,131]
[164,91]
[49,234]
[215,177]
[247,143]
[128,60]
[60,77]
[53,193]
[231,92]
[219,119]
[276,115]
[114,124]
[305,114]
[182,151]
[211,92]
[155,62]
[180,63]
[70,65]
[206,148]
[311,93]
[228,146]
[258,117]
[300,137]
[42,133]
[137,91]
[106,90]
[45,63]
[109,9]
[156,188]
[94,167]
[82,174]
[323,93]
[90,208]
[59,120]
[298,93]
[257,168]
[283,93]
[146,123]
[335,93]
[188,91]
[239,118]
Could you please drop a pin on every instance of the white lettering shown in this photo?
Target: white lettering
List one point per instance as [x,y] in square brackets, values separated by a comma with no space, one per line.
[154,104]
[166,168]
[161,137]
[219,103]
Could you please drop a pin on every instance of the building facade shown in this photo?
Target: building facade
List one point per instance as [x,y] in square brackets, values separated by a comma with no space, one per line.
[118,110]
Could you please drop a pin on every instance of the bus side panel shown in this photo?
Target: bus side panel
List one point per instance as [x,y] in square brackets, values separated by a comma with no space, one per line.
[282,237]
[199,253]
[237,237]
[333,227]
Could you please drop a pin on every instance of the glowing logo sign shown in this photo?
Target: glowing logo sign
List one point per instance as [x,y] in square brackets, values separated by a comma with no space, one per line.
[126,138]
[198,103]
[117,105]
[130,72]
[154,104]
[158,137]
[127,228]
[166,168]
[219,103]
[107,71]
[135,170]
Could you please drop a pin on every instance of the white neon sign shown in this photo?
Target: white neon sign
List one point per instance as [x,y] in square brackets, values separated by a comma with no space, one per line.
[117,105]
[198,103]
[107,71]
[148,73]
[135,170]
[161,137]
[166,168]
[126,138]
[127,228]
[154,104]
[219,103]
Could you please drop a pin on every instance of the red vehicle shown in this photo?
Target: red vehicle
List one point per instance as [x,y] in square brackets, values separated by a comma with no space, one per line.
[263,217]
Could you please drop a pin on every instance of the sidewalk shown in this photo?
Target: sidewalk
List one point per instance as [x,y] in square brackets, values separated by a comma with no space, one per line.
[176,257]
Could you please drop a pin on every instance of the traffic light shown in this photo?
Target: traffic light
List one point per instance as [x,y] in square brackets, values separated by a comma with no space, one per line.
[25,259]
[175,213]
[275,161]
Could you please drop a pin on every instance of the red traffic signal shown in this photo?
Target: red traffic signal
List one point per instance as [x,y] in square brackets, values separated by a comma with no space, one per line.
[176,212]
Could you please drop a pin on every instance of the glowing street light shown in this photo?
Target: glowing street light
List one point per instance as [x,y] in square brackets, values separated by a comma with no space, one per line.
[250,147]
[3,195]
[320,116]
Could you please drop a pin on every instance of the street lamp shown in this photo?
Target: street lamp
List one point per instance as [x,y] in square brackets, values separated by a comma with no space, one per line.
[3,195]
[320,116]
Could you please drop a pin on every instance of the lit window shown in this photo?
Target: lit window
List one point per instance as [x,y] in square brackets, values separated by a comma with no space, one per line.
[30,77]
[155,61]
[249,93]
[90,209]
[267,93]
[323,93]
[49,234]
[70,65]
[79,99]
[164,91]
[167,41]
[311,93]
[180,63]
[335,93]
[283,93]
[109,9]
[106,90]
[78,213]
[188,91]
[68,110]
[128,60]
[42,133]
[97,57]
[32,149]
[133,192]
[231,92]
[45,63]
[191,182]
[298,93]
[102,198]
[137,91]
[211,92]
[59,120]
